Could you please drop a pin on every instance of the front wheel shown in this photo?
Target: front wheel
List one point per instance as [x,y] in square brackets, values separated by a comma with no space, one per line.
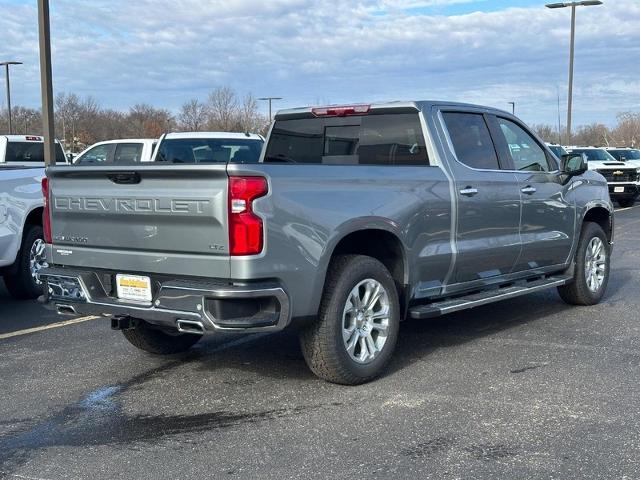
[592,266]
[154,340]
[26,283]
[357,327]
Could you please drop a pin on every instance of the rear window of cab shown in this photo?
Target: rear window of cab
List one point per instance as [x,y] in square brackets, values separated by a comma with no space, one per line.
[385,139]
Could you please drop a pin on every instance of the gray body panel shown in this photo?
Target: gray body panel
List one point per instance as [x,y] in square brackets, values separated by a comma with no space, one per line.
[450,243]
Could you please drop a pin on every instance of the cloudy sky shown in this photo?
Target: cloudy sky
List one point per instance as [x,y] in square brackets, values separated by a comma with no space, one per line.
[165,52]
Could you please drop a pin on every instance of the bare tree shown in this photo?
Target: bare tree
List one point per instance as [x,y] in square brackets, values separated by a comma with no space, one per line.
[595,134]
[222,106]
[546,132]
[146,121]
[627,132]
[192,116]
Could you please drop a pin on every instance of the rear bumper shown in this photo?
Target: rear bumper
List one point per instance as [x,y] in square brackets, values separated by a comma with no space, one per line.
[216,305]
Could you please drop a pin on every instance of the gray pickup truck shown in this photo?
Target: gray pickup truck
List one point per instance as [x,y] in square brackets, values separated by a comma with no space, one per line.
[353,219]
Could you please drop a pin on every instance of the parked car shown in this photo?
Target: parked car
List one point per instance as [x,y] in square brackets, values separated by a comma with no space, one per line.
[118,152]
[209,147]
[354,218]
[22,248]
[622,178]
[557,149]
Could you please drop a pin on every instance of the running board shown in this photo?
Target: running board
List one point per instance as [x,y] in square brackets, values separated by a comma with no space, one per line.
[475,300]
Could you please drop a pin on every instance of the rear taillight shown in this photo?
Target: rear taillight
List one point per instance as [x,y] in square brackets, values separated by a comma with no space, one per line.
[246,230]
[340,111]
[46,214]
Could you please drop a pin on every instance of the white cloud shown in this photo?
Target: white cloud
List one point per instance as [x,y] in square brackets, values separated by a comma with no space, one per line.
[165,52]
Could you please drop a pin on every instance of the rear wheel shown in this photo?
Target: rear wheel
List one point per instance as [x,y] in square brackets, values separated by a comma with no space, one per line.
[158,341]
[592,266]
[357,327]
[25,282]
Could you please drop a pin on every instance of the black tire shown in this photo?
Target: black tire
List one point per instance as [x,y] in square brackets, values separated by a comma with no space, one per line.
[322,342]
[626,203]
[159,342]
[578,292]
[21,284]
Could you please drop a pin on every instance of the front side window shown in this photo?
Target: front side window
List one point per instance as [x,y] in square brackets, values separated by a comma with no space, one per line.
[97,154]
[525,152]
[471,140]
[387,139]
[209,150]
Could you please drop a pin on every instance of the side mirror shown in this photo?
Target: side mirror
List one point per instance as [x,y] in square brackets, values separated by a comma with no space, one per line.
[574,164]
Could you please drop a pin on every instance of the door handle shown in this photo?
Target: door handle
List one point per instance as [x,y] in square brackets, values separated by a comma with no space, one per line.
[468,191]
[528,190]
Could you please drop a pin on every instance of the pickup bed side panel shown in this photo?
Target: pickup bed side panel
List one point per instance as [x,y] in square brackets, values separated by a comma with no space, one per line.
[20,194]
[310,208]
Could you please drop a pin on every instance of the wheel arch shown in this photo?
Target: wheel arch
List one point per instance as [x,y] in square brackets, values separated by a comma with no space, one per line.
[379,242]
[603,216]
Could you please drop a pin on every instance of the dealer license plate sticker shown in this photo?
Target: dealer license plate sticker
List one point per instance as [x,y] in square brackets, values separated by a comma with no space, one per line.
[134,287]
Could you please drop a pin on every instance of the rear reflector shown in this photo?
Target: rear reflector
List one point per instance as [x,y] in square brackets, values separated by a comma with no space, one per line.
[46,213]
[341,111]
[246,230]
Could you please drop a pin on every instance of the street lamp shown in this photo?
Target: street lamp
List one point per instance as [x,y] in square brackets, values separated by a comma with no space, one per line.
[6,67]
[270,99]
[513,107]
[573,5]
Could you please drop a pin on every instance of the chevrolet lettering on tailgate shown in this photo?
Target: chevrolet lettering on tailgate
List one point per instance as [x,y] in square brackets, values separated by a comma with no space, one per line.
[133,205]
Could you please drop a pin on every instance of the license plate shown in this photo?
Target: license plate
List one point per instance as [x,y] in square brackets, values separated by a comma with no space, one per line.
[618,189]
[134,287]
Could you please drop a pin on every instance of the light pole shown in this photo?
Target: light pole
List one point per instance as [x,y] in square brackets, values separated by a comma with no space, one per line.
[513,107]
[270,99]
[6,69]
[46,84]
[573,5]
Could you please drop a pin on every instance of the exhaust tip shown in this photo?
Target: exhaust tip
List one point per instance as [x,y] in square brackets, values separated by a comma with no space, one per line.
[66,310]
[190,326]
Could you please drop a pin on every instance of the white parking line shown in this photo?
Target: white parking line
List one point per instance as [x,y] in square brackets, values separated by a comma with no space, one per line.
[628,208]
[27,331]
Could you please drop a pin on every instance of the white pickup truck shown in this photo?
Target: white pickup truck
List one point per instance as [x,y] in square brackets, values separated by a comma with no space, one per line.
[22,249]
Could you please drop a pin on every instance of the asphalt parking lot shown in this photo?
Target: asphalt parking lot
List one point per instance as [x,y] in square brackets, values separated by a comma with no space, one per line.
[528,388]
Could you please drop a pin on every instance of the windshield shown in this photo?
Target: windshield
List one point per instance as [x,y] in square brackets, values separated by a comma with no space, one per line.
[557,150]
[209,150]
[625,154]
[595,154]
[30,152]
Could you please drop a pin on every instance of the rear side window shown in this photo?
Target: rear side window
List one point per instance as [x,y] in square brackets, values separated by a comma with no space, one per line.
[388,139]
[26,152]
[209,150]
[471,140]
[527,155]
[128,153]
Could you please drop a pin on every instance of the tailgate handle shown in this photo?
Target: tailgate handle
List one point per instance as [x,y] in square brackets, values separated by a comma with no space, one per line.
[126,178]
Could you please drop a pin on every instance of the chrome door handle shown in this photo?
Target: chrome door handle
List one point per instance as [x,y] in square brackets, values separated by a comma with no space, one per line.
[529,190]
[468,191]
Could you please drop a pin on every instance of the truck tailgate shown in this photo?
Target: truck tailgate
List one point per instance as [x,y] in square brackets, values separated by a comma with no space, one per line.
[163,219]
